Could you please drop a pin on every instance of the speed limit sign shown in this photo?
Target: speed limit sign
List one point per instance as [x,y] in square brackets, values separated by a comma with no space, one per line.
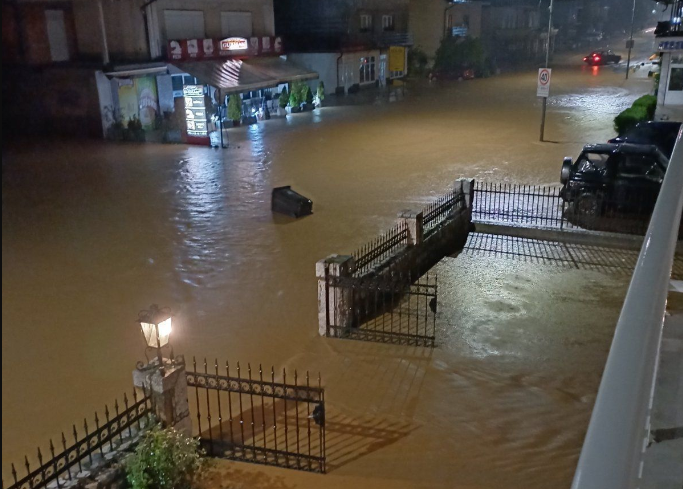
[543,86]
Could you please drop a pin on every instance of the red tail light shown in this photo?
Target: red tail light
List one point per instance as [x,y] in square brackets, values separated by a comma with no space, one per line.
[596,58]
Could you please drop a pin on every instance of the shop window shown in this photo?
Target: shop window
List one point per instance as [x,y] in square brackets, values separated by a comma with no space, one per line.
[184,24]
[177,83]
[676,80]
[367,69]
[388,22]
[236,24]
[365,23]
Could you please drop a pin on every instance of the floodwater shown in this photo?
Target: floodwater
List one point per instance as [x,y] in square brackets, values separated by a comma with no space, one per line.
[93,232]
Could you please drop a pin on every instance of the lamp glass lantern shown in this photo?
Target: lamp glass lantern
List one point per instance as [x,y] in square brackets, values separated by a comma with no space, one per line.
[156,328]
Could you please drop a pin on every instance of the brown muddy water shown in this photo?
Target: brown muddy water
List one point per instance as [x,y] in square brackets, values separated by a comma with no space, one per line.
[92,232]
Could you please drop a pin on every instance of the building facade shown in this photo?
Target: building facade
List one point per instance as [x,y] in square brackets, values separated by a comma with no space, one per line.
[669,37]
[350,43]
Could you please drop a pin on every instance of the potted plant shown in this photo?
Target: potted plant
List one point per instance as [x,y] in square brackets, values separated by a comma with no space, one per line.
[295,99]
[283,100]
[165,458]
[235,109]
[308,97]
[135,131]
[320,94]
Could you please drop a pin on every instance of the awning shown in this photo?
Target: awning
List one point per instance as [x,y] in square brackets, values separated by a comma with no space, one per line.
[234,75]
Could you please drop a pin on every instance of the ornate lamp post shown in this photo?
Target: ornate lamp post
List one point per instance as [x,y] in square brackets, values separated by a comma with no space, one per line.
[156,328]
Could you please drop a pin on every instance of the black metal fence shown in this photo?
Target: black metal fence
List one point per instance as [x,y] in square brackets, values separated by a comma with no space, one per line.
[380,249]
[387,309]
[85,449]
[622,211]
[438,211]
[260,420]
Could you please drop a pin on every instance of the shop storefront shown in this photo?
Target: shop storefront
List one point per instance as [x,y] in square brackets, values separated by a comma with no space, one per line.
[186,98]
[671,75]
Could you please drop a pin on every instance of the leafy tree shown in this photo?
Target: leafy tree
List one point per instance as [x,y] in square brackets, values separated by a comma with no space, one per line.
[235,107]
[284,98]
[456,54]
[164,459]
[417,61]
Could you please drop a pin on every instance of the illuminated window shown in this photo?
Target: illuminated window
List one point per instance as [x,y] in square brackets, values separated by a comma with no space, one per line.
[388,22]
[367,69]
[365,22]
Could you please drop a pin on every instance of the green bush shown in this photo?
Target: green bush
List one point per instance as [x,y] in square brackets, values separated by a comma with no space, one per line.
[284,98]
[164,459]
[308,97]
[235,107]
[417,61]
[629,118]
[649,103]
[321,91]
[298,95]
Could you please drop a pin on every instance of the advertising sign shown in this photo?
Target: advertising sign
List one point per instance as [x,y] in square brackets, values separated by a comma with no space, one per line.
[543,86]
[128,100]
[147,100]
[670,44]
[188,49]
[234,44]
[397,58]
[195,110]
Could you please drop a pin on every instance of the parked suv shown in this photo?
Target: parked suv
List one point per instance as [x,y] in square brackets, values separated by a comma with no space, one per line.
[613,178]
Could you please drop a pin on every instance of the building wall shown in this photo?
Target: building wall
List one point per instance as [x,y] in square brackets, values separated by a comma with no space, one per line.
[325,64]
[125,23]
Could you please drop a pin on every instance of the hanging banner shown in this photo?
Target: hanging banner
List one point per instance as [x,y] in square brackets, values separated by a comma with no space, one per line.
[187,49]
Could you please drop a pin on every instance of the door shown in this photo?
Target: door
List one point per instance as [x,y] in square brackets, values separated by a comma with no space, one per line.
[674,87]
[56,35]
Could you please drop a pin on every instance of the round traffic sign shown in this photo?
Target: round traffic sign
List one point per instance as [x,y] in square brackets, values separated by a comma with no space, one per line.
[543,77]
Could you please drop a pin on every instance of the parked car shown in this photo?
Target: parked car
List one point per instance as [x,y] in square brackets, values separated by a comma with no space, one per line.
[602,58]
[619,178]
[662,134]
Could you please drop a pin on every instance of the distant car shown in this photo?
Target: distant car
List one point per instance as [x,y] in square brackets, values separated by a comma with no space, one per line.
[458,74]
[602,58]
[622,178]
[662,134]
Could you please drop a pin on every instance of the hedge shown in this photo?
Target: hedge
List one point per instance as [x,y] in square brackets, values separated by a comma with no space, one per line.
[629,118]
[649,103]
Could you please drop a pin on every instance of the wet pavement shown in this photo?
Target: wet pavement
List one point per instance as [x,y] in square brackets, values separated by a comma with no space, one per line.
[93,232]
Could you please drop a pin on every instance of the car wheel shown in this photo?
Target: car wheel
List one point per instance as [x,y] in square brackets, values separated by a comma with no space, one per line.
[588,205]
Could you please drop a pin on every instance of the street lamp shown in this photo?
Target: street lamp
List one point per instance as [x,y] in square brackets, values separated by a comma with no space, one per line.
[156,328]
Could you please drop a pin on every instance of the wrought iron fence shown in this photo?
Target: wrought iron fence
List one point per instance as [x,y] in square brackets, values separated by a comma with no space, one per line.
[380,249]
[438,211]
[387,309]
[268,421]
[624,209]
[65,463]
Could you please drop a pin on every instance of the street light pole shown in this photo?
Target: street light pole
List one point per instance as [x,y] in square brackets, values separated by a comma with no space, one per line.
[547,57]
[630,41]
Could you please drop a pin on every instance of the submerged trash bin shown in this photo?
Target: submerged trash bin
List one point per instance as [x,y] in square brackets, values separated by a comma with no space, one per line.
[287,201]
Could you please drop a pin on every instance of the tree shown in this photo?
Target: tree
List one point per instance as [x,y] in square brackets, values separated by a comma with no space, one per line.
[235,107]
[164,459]
[456,54]
[308,97]
[298,95]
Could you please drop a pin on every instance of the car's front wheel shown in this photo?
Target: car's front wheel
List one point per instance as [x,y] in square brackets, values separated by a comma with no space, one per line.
[588,205]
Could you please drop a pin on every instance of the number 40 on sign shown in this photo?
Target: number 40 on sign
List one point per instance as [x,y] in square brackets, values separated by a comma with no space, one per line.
[543,86]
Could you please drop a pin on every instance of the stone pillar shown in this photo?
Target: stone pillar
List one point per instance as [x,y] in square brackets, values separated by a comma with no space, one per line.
[466,186]
[334,303]
[413,222]
[169,394]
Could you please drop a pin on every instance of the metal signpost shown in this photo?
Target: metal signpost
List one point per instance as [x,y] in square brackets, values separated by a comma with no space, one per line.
[629,43]
[543,90]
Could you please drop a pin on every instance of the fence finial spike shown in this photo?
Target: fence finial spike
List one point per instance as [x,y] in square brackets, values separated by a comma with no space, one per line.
[40,457]
[28,467]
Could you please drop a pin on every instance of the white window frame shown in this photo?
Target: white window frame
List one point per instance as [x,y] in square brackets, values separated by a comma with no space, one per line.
[225,15]
[388,22]
[368,69]
[365,22]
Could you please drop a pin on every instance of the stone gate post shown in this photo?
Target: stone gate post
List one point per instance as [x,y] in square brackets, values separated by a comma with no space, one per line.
[466,186]
[169,394]
[413,220]
[335,303]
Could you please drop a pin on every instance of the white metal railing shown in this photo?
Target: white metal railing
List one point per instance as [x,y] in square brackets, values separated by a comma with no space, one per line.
[612,453]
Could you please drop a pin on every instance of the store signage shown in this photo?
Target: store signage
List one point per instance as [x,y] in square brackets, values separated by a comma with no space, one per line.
[188,49]
[670,44]
[234,44]
[195,110]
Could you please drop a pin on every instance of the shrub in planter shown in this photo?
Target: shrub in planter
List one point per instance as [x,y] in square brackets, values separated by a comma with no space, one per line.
[295,98]
[308,95]
[284,98]
[164,459]
[649,103]
[320,92]
[135,130]
[235,108]
[629,118]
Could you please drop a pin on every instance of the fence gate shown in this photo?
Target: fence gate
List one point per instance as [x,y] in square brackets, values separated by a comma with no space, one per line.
[387,309]
[251,417]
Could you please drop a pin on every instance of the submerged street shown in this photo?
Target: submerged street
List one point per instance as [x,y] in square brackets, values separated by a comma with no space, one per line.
[94,232]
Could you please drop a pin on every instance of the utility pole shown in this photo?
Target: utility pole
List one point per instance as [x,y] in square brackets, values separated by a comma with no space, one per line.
[630,41]
[547,57]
